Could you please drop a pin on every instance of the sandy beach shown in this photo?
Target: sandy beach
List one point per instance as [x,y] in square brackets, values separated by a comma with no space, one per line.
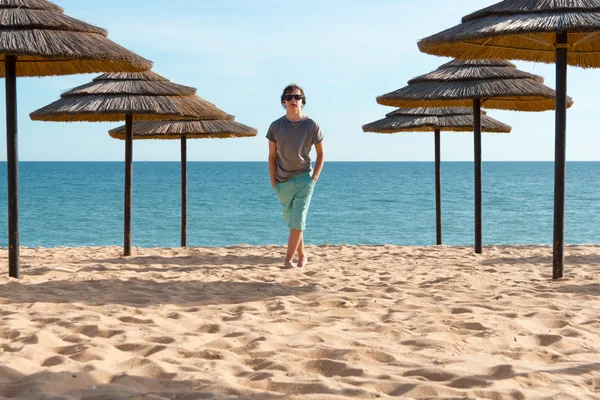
[358,322]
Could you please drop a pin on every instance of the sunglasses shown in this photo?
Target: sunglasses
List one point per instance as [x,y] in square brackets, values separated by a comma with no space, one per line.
[289,97]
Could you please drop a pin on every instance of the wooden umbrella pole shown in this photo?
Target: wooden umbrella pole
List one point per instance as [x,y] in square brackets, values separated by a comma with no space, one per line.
[560,162]
[183,191]
[128,186]
[438,189]
[477,146]
[12,165]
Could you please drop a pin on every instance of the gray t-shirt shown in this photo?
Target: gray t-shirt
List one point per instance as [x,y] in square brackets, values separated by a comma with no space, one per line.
[294,141]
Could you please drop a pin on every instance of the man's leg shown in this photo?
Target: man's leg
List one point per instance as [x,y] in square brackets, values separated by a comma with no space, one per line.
[298,216]
[302,259]
[287,201]
[293,242]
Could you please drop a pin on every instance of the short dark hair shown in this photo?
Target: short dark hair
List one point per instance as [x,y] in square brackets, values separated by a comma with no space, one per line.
[289,89]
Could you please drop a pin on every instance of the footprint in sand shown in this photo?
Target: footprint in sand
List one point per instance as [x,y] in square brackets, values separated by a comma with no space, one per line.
[461,310]
[94,331]
[163,340]
[259,364]
[468,383]
[504,371]
[548,340]
[434,375]
[332,368]
[9,334]
[32,339]
[53,361]
[10,349]
[210,328]
[70,350]
[141,349]
[45,321]
[255,376]
[76,339]
[133,320]
[204,354]
[473,326]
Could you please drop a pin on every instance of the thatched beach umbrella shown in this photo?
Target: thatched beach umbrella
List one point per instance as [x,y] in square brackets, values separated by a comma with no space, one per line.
[128,96]
[183,130]
[37,39]
[560,31]
[482,83]
[421,119]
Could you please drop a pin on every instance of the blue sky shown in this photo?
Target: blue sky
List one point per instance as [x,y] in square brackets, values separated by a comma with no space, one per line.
[240,54]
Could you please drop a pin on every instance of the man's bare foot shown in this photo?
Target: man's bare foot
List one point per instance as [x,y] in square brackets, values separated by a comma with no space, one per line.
[288,264]
[302,262]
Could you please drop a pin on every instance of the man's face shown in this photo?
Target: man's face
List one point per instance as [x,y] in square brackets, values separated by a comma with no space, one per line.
[293,100]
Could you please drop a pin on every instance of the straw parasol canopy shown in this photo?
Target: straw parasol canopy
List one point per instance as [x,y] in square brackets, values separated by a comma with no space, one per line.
[129,97]
[48,42]
[184,130]
[144,95]
[37,39]
[524,30]
[424,119]
[563,31]
[499,85]
[171,130]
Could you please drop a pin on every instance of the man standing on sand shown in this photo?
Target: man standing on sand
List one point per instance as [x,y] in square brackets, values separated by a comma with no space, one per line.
[291,138]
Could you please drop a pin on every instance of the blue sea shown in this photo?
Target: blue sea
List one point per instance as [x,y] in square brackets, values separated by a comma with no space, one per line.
[81,204]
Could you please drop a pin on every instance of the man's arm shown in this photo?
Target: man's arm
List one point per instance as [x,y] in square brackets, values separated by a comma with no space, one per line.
[320,160]
[272,162]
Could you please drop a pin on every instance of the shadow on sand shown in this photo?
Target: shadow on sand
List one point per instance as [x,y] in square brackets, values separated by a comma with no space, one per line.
[506,372]
[572,260]
[82,385]
[200,259]
[146,292]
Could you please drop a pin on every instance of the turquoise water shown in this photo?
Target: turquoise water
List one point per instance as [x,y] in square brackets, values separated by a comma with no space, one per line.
[81,204]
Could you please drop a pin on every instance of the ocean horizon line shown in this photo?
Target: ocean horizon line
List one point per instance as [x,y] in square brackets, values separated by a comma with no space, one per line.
[332,161]
[487,246]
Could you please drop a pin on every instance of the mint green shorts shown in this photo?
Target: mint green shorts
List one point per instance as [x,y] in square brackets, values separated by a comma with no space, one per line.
[295,195]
